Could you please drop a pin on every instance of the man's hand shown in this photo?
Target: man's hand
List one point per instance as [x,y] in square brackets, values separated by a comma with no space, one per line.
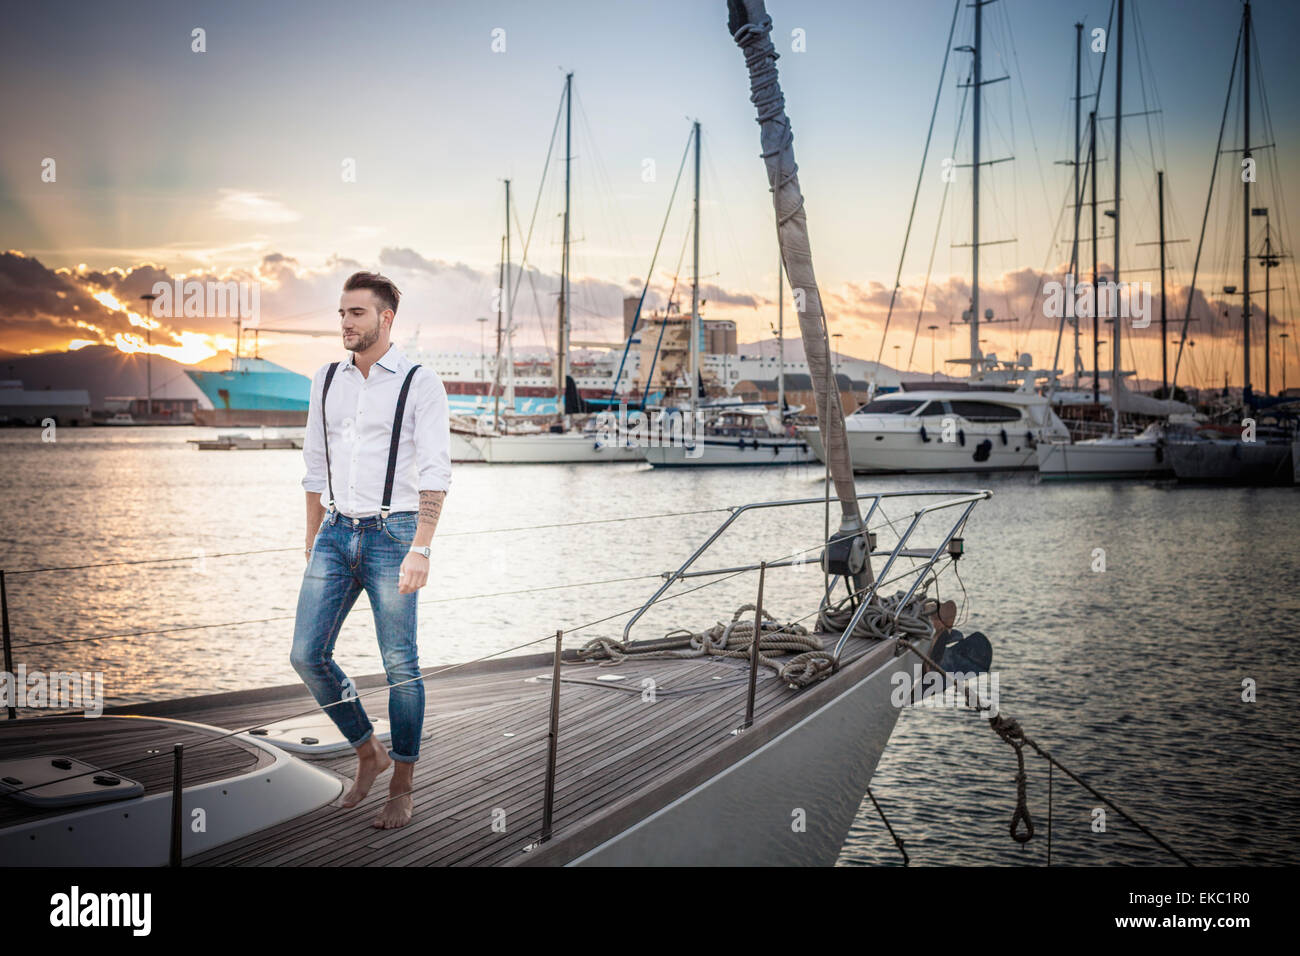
[414,574]
[315,515]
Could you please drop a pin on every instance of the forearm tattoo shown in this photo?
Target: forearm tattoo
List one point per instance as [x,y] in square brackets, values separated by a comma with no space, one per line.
[431,508]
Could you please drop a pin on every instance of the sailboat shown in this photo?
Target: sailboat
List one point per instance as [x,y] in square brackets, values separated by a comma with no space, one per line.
[562,442]
[987,423]
[1115,455]
[1268,460]
[728,434]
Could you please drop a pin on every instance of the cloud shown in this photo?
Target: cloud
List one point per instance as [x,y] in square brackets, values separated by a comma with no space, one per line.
[242,206]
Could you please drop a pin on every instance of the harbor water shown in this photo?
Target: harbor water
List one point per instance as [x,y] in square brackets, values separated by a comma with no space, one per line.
[1142,632]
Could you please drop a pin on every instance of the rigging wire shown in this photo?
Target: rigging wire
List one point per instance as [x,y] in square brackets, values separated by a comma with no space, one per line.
[1214,169]
[925,152]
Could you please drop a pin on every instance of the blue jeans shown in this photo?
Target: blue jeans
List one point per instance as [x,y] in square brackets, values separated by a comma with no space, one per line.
[349,555]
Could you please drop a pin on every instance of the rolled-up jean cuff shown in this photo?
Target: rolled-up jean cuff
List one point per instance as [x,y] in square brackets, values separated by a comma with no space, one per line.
[363,738]
[402,758]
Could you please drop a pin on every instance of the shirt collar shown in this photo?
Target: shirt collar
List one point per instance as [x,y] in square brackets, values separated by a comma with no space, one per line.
[394,360]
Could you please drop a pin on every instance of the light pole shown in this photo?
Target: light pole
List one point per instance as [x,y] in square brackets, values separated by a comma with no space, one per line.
[933,329]
[148,298]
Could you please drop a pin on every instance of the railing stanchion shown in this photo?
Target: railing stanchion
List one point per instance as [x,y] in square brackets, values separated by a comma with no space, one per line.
[552,741]
[9,651]
[177,816]
[753,648]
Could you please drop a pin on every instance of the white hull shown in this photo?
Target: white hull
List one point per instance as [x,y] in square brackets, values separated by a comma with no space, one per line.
[816,771]
[463,449]
[1103,458]
[720,452]
[549,448]
[876,451]
[937,430]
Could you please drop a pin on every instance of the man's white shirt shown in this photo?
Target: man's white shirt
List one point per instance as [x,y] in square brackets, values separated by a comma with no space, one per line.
[360,411]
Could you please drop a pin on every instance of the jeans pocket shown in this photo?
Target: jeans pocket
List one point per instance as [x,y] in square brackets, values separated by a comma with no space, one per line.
[401,530]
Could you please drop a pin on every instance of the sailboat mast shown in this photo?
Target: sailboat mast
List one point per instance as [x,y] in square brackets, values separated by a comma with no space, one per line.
[1164,324]
[780,333]
[751,28]
[1078,199]
[1115,321]
[695,285]
[510,313]
[976,355]
[496,365]
[1245,208]
[1092,202]
[562,350]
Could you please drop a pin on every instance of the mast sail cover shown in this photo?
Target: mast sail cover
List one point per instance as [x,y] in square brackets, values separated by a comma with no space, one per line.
[751,28]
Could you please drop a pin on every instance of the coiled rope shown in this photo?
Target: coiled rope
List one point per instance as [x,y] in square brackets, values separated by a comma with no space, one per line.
[877,620]
[734,639]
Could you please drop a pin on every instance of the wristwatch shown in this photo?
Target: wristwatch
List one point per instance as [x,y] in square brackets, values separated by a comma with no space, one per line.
[424,551]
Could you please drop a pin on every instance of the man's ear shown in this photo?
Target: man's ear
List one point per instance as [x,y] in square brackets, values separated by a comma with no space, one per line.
[386,318]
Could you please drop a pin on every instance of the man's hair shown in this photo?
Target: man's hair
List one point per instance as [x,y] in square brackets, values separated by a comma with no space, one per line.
[383,288]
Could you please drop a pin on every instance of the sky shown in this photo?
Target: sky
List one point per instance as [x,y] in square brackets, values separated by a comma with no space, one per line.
[231,163]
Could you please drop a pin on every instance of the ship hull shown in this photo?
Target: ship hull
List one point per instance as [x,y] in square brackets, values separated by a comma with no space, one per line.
[1232,462]
[1104,458]
[731,452]
[790,800]
[887,451]
[547,448]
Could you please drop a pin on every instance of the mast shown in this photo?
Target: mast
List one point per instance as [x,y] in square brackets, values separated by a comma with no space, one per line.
[1245,210]
[1115,324]
[1096,325]
[1164,325]
[751,28]
[510,314]
[780,333]
[503,290]
[976,355]
[695,286]
[496,362]
[1074,246]
[1269,263]
[562,349]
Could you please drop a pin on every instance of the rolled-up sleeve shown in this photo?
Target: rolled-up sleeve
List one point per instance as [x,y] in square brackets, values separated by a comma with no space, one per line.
[432,433]
[313,439]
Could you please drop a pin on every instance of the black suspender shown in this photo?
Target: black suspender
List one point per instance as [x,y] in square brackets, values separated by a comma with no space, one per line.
[325,426]
[398,416]
[392,444]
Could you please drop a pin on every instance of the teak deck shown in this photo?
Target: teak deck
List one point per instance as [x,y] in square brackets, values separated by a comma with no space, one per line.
[482,755]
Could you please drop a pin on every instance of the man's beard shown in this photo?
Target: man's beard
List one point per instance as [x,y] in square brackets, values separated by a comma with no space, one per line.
[364,340]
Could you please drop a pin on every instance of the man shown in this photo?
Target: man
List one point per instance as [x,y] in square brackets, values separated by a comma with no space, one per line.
[377,449]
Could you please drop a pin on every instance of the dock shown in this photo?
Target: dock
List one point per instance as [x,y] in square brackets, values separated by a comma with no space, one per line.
[242,442]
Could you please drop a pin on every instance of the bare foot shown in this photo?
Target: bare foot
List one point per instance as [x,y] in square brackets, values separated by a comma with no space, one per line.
[397,810]
[372,760]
